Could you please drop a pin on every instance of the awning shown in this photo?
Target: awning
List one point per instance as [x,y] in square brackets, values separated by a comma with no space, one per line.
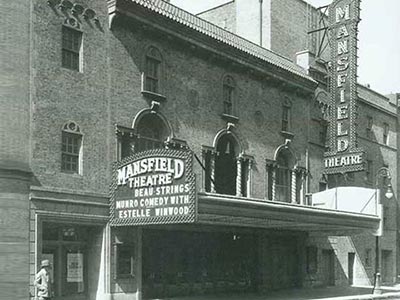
[238,211]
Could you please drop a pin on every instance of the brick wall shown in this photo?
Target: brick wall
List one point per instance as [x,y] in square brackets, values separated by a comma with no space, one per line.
[14,90]
[186,71]
[290,22]
[14,149]
[223,16]
[61,95]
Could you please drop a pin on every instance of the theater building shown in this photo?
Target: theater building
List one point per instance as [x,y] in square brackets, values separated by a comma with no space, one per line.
[148,153]
[306,43]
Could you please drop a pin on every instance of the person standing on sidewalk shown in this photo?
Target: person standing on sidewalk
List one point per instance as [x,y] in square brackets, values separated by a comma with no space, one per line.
[43,281]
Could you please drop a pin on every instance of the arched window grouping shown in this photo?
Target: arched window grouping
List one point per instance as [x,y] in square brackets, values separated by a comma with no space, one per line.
[150,131]
[285,165]
[227,170]
[285,178]
[226,165]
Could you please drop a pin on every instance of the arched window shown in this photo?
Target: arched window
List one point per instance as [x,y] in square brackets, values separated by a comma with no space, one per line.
[229,95]
[152,73]
[151,131]
[71,143]
[226,165]
[284,172]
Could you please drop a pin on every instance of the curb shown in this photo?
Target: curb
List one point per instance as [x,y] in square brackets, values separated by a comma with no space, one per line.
[394,295]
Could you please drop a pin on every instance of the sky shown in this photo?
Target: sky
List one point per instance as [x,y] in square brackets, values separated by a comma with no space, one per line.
[379,40]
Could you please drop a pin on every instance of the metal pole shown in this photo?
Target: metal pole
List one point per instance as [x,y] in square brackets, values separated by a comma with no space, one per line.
[383,171]
[377,282]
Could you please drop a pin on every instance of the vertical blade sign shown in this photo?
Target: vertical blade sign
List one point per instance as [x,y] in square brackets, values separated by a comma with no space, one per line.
[343,154]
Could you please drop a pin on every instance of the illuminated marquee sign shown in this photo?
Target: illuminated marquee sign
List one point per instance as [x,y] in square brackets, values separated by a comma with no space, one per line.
[343,155]
[154,187]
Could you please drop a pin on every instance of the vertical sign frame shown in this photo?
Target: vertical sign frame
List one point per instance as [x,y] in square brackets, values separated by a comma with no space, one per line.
[343,155]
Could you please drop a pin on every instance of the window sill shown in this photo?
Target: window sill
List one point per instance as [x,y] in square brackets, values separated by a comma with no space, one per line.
[230,118]
[70,173]
[287,134]
[154,96]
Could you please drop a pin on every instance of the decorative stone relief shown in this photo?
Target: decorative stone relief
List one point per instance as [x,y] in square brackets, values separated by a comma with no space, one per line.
[74,12]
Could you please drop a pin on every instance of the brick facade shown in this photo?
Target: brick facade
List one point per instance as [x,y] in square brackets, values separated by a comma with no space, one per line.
[108,91]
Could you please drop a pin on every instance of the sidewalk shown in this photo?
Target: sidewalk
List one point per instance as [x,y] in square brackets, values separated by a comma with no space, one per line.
[328,293]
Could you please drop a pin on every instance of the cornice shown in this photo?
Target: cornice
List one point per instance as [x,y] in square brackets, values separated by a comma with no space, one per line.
[174,27]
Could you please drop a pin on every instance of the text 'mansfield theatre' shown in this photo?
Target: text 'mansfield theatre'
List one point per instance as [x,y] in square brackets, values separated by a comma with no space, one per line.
[343,154]
[154,187]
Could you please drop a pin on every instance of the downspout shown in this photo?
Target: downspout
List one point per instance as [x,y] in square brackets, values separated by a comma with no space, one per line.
[261,21]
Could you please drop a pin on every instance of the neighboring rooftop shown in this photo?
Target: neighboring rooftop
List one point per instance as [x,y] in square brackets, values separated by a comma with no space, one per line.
[386,103]
[185,18]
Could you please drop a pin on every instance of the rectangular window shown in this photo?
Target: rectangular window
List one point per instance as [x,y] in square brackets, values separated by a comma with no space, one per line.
[126,147]
[282,184]
[124,260]
[369,172]
[386,133]
[71,144]
[286,118]
[228,99]
[368,130]
[152,75]
[71,48]
[245,177]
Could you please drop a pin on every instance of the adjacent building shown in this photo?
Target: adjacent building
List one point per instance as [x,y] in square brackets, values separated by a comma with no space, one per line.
[149,153]
[298,31]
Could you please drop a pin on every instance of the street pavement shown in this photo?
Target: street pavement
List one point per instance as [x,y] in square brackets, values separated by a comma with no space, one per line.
[331,293]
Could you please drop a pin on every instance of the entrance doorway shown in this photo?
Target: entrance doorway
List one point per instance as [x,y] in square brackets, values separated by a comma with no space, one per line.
[350,266]
[177,263]
[328,267]
[67,248]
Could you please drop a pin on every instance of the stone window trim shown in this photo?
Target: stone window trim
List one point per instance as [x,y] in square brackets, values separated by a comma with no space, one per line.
[240,160]
[244,165]
[298,175]
[71,48]
[229,98]
[131,136]
[71,148]
[286,120]
[124,134]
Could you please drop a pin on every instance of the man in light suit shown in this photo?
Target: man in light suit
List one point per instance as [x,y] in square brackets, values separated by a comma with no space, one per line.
[43,281]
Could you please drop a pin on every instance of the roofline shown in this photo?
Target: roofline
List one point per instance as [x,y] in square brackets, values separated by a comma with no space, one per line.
[215,7]
[184,18]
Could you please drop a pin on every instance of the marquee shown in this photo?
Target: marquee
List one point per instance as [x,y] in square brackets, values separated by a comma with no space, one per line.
[154,187]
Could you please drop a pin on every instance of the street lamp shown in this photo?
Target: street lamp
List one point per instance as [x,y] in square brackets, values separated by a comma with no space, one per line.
[382,172]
